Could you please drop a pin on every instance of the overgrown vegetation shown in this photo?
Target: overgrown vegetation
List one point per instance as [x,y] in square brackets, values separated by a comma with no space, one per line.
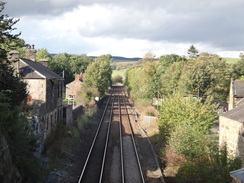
[186,117]
[97,79]
[13,122]
[184,125]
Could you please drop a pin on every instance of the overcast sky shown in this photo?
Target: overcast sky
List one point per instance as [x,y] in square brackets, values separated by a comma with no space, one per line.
[131,28]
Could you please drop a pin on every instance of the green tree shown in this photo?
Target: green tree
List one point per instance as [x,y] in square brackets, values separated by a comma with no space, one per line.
[149,57]
[167,60]
[170,79]
[43,54]
[238,69]
[192,51]
[60,64]
[206,76]
[177,109]
[98,75]
[241,56]
[79,63]
[13,93]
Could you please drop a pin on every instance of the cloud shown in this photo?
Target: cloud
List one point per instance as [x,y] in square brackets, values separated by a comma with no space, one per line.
[213,24]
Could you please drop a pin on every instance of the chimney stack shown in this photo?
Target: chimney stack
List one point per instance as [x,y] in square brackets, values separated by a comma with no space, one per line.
[78,77]
[31,53]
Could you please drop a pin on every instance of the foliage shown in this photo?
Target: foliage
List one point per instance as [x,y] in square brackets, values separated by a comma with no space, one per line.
[79,63]
[150,113]
[13,122]
[170,79]
[168,60]
[6,38]
[192,51]
[60,63]
[177,110]
[206,75]
[212,169]
[43,54]
[238,69]
[189,140]
[98,76]
[69,65]
[149,57]
[117,79]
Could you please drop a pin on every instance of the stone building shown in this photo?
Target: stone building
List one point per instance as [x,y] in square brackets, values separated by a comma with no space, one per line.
[231,131]
[74,87]
[231,123]
[45,93]
[236,93]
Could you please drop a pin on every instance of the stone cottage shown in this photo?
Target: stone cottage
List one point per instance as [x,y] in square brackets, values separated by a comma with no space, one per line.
[45,93]
[231,131]
[231,123]
[236,93]
[74,87]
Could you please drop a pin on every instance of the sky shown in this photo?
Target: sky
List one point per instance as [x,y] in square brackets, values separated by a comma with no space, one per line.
[131,28]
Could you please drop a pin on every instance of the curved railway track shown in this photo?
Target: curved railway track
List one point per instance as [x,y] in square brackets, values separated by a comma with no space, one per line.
[113,155]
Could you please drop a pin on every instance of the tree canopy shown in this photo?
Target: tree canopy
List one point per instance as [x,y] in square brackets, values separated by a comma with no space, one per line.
[13,94]
[98,76]
[192,51]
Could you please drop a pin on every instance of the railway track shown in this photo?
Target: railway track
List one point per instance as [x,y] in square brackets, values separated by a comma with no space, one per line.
[113,155]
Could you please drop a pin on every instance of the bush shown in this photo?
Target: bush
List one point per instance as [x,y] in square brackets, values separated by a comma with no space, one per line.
[213,168]
[117,79]
[189,141]
[150,113]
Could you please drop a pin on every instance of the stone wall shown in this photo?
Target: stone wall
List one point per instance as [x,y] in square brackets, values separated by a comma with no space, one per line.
[231,134]
[78,112]
[54,89]
[68,115]
[37,89]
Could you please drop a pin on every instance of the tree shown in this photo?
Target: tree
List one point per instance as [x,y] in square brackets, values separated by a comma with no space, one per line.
[167,60]
[13,93]
[192,51]
[177,110]
[170,79]
[149,57]
[79,63]
[241,56]
[204,76]
[60,64]
[6,38]
[98,75]
[43,54]
[238,69]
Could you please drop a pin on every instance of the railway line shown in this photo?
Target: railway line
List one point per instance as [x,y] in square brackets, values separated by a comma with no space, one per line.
[113,155]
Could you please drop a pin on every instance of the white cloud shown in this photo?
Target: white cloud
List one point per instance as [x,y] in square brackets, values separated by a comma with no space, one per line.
[131,28]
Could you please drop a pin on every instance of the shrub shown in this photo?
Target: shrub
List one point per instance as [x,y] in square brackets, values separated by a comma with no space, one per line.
[150,113]
[117,79]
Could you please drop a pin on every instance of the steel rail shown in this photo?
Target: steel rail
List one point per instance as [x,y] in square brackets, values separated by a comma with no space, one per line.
[106,143]
[133,140]
[95,138]
[121,144]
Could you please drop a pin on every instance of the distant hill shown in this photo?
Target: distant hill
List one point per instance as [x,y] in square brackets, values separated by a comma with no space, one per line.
[115,58]
[122,59]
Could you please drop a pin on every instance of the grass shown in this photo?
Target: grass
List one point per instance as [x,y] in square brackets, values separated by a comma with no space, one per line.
[231,60]
[119,72]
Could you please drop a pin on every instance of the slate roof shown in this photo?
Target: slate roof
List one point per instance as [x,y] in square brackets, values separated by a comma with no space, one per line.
[28,70]
[236,114]
[238,88]
[238,175]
